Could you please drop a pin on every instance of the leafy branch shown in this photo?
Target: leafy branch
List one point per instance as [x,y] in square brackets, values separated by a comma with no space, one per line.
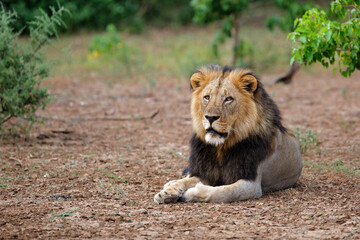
[319,39]
[231,14]
[44,27]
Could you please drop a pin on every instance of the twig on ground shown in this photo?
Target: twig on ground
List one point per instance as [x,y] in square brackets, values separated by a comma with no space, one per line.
[18,162]
[100,118]
[180,117]
[6,119]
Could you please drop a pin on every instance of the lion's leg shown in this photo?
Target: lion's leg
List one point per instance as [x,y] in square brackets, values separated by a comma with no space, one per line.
[173,190]
[240,190]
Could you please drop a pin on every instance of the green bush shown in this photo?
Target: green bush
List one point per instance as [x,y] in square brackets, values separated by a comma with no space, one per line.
[107,43]
[110,48]
[307,140]
[318,38]
[22,66]
[97,14]
[92,14]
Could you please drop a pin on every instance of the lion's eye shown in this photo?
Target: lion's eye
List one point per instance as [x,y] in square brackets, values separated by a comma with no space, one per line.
[229,99]
[206,97]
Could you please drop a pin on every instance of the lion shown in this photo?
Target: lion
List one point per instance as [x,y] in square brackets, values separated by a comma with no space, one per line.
[239,149]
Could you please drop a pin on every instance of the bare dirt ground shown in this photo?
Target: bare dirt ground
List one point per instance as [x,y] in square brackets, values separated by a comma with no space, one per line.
[97,179]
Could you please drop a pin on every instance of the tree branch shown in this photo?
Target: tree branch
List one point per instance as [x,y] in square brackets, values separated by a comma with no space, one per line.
[2,54]
[6,119]
[236,26]
[36,50]
[143,8]
[100,118]
[260,4]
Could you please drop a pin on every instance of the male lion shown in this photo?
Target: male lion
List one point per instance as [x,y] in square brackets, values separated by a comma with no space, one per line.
[239,149]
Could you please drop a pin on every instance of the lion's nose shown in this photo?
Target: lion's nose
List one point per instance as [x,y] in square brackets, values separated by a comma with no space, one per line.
[212,119]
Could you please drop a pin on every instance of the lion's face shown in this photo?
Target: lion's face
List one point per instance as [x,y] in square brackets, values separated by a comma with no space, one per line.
[223,108]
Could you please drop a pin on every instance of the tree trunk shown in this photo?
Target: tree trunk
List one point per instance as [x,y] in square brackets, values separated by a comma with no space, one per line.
[236,27]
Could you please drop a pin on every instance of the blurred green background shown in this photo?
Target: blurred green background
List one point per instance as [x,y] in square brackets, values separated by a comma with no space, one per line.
[162,39]
[132,15]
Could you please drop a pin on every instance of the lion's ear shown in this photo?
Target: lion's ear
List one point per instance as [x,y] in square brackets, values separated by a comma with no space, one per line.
[249,83]
[196,80]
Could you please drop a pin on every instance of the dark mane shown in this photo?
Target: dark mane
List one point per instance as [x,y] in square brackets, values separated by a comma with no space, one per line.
[271,111]
[241,160]
[238,162]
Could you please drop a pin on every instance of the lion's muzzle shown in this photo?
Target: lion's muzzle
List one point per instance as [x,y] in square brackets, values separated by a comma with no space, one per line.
[212,119]
[214,137]
[213,131]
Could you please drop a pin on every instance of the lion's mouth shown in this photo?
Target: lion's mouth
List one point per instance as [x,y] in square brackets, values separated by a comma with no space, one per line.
[213,131]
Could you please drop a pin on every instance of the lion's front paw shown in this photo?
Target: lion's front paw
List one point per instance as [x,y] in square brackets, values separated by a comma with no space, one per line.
[171,193]
[197,194]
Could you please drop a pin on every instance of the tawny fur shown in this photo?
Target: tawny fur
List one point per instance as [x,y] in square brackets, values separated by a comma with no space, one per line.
[244,111]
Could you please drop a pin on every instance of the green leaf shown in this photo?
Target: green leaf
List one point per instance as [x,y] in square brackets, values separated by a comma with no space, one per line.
[302,39]
[309,56]
[320,38]
[292,59]
[343,73]
[328,35]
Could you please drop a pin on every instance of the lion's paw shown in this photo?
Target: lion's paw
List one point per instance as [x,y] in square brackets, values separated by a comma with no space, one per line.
[169,183]
[199,193]
[170,194]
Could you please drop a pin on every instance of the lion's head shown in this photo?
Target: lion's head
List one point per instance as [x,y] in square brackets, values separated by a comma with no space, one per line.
[229,105]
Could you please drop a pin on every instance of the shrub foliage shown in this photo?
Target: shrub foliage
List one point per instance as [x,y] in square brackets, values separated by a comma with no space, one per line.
[320,39]
[97,14]
[22,66]
[229,12]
